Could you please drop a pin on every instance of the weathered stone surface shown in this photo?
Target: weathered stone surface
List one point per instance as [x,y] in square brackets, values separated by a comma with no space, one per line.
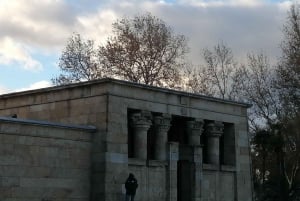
[161,126]
[67,164]
[194,131]
[34,165]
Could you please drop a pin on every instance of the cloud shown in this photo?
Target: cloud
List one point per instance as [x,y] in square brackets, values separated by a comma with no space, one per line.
[31,26]
[96,26]
[14,52]
[241,23]
[38,23]
[4,90]
[245,25]
[244,29]
[218,3]
[36,85]
[44,27]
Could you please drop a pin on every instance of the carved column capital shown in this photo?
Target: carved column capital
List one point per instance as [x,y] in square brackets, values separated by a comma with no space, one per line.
[141,119]
[214,129]
[162,122]
[140,122]
[194,130]
[195,125]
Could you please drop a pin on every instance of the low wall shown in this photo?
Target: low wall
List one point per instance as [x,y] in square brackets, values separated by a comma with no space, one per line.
[42,161]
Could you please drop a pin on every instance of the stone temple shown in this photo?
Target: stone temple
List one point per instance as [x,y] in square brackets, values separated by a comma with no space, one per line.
[79,142]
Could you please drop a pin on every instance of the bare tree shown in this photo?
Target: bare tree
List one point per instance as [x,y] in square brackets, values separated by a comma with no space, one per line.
[196,80]
[255,84]
[144,50]
[78,62]
[216,76]
[278,153]
[220,66]
[289,83]
[289,65]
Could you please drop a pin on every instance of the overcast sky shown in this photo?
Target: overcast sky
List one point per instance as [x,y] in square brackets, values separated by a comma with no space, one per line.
[34,32]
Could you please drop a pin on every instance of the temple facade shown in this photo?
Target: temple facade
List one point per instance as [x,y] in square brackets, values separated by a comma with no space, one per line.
[180,146]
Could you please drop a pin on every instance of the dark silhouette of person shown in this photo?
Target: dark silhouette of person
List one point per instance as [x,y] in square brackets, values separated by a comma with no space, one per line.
[131,185]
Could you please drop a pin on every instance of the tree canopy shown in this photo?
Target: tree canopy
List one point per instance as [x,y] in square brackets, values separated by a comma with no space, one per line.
[277,164]
[216,76]
[289,65]
[78,62]
[143,49]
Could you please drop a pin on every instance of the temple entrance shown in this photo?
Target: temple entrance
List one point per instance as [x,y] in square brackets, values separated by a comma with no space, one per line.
[184,180]
[178,133]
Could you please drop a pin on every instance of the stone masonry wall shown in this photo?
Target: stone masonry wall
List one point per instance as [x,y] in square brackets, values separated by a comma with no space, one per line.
[82,105]
[151,179]
[40,162]
[228,183]
[105,104]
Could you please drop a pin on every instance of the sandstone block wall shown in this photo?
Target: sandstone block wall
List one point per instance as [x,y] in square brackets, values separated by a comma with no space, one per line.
[44,162]
[105,104]
[231,181]
[80,104]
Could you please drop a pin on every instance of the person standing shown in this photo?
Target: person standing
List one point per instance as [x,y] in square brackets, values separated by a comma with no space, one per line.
[131,185]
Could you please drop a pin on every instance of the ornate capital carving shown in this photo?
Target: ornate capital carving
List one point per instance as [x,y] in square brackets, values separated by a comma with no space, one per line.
[196,125]
[162,122]
[215,129]
[194,131]
[142,118]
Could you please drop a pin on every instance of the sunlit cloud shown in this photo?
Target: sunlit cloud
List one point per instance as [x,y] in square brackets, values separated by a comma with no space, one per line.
[4,90]
[14,52]
[33,27]
[96,26]
[285,5]
[36,85]
[42,24]
[217,3]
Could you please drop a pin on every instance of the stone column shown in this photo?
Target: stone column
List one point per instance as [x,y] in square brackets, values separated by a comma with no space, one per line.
[173,156]
[197,179]
[162,126]
[140,122]
[194,131]
[214,131]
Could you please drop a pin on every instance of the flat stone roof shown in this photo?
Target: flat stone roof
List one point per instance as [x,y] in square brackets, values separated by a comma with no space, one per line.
[125,83]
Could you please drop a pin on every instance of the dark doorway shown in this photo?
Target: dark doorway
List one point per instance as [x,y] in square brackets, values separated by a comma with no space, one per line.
[185,168]
[184,180]
[177,132]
